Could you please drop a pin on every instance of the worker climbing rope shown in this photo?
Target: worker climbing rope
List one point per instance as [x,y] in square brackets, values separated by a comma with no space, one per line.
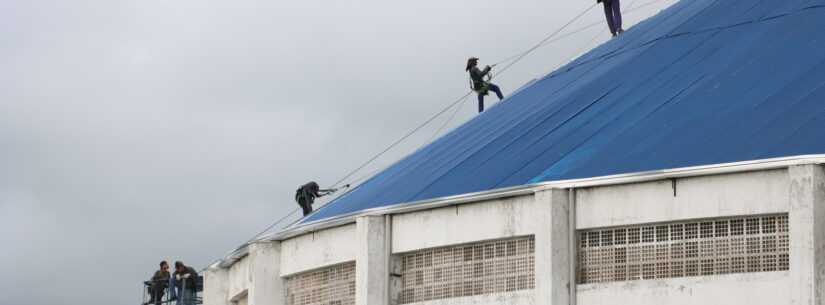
[306,194]
[481,85]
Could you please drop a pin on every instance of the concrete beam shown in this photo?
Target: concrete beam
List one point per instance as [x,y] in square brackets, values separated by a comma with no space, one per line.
[807,234]
[216,286]
[372,260]
[267,287]
[553,281]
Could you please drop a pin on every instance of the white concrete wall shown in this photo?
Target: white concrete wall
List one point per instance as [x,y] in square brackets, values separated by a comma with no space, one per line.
[509,298]
[552,234]
[372,267]
[318,249]
[696,197]
[807,234]
[253,280]
[799,192]
[215,286]
[465,223]
[750,193]
[267,286]
[543,215]
[766,288]
[240,279]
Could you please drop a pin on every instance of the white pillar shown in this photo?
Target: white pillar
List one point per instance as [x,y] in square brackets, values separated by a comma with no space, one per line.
[216,286]
[267,286]
[807,234]
[372,260]
[553,283]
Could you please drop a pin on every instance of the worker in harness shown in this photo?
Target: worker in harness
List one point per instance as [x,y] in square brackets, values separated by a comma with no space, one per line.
[306,194]
[479,84]
[613,14]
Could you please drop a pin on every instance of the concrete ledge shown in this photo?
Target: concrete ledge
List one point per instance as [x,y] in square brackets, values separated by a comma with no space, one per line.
[318,249]
[762,288]
[524,297]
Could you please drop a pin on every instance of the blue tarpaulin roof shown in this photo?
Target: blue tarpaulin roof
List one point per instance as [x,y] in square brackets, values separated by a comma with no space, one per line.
[702,82]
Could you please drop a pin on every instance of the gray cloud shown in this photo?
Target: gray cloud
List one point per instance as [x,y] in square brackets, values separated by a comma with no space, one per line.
[135,131]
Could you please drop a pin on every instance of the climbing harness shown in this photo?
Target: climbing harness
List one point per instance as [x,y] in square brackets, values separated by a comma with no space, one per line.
[482,87]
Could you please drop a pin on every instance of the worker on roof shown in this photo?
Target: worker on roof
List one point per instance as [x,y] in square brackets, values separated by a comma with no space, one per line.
[158,284]
[613,14]
[306,194]
[185,281]
[480,85]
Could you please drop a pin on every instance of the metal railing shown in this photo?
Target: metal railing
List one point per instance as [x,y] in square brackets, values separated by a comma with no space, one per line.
[162,293]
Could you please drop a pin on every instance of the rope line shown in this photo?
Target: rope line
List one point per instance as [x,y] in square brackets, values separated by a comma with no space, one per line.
[530,50]
[457,108]
[410,133]
[586,27]
[513,60]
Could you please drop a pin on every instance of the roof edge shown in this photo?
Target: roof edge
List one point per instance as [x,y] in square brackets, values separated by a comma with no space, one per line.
[682,172]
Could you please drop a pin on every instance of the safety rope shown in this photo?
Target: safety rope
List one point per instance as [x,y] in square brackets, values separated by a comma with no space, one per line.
[629,11]
[536,46]
[512,61]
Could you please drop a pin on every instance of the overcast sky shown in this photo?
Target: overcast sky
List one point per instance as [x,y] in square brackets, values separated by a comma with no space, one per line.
[137,131]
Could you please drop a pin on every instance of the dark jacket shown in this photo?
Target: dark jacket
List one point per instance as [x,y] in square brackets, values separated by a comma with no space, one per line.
[605,1]
[477,75]
[160,279]
[308,192]
[191,282]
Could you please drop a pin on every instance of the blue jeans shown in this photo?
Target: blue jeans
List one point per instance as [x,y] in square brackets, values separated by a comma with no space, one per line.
[184,296]
[490,87]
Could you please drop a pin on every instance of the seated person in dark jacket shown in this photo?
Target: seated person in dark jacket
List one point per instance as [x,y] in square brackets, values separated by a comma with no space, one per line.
[481,86]
[306,194]
[613,14]
[158,283]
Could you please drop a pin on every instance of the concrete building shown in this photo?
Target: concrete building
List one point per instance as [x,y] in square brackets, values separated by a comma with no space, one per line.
[680,163]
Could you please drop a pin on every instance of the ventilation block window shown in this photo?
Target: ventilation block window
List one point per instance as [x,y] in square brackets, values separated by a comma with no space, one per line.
[334,285]
[680,249]
[468,270]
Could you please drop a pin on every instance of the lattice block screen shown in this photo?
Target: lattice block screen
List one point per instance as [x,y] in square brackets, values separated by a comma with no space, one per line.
[333,285]
[680,249]
[467,270]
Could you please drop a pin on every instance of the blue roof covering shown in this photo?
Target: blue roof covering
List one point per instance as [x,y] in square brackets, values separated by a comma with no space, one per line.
[703,82]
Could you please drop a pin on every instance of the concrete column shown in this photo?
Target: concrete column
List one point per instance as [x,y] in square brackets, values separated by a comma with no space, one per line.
[267,286]
[553,284]
[807,234]
[372,260]
[216,286]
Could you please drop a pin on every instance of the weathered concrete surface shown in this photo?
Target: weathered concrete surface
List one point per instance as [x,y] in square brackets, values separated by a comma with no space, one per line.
[252,280]
[799,191]
[266,287]
[372,261]
[465,223]
[215,286]
[807,234]
[509,298]
[240,279]
[697,197]
[552,239]
[766,288]
[318,249]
